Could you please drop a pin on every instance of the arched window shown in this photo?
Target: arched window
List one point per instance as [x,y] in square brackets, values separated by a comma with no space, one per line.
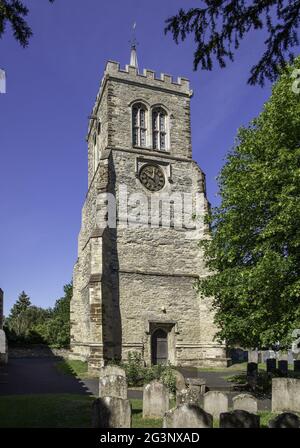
[139,125]
[159,128]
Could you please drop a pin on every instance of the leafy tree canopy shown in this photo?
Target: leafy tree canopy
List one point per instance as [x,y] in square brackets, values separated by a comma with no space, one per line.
[14,13]
[254,251]
[218,28]
[29,324]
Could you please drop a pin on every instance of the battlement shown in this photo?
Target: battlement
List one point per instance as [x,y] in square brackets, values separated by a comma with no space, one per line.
[148,77]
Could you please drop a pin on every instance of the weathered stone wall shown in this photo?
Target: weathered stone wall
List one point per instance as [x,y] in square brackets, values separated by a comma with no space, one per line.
[129,281]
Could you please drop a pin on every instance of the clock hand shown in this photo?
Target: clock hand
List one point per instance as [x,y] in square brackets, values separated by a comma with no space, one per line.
[150,177]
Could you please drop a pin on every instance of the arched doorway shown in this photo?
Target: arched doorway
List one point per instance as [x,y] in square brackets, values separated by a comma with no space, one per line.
[159,346]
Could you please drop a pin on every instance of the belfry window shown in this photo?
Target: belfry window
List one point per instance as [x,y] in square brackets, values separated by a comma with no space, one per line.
[139,125]
[159,128]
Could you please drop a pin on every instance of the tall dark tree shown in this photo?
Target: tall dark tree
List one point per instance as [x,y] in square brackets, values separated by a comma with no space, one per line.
[17,320]
[14,13]
[218,27]
[254,251]
[21,305]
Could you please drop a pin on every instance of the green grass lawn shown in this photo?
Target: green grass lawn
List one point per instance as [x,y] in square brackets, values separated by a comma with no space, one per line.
[59,411]
[45,411]
[73,367]
[69,411]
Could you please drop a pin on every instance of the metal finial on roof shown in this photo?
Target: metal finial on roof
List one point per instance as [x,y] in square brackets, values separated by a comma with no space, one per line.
[134,43]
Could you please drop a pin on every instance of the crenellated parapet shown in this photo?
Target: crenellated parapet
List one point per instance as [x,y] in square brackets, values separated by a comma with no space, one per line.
[148,78]
[162,81]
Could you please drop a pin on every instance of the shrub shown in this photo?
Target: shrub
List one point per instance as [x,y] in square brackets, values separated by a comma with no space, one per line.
[138,374]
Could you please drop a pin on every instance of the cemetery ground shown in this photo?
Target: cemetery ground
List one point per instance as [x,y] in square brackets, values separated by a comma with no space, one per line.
[56,392]
[46,390]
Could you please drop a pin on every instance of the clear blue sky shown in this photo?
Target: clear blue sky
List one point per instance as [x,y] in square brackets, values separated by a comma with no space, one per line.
[51,88]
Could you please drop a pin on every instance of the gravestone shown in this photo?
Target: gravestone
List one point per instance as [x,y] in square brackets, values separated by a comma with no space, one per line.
[272,354]
[189,396]
[155,399]
[290,357]
[180,381]
[215,403]
[238,355]
[252,369]
[283,367]
[297,365]
[3,348]
[197,384]
[271,365]
[285,420]
[285,394]
[253,356]
[111,412]
[239,419]
[252,372]
[113,385]
[245,402]
[112,370]
[187,416]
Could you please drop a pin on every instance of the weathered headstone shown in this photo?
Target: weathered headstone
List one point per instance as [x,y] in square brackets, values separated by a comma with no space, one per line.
[271,365]
[285,394]
[112,370]
[155,399]
[245,402]
[215,403]
[239,419]
[283,365]
[197,384]
[187,416]
[180,381]
[290,357]
[111,412]
[297,365]
[252,369]
[252,372]
[3,348]
[189,396]
[272,354]
[253,356]
[285,420]
[112,382]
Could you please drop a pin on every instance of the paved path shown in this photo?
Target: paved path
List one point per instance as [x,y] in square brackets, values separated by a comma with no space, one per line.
[37,376]
[40,376]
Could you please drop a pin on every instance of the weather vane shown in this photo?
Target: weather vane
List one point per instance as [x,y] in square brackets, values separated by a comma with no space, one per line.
[133,39]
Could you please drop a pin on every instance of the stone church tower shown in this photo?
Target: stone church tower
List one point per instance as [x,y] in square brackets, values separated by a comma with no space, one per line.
[134,281]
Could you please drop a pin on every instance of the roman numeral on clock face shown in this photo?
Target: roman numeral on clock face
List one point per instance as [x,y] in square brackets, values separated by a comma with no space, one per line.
[152,177]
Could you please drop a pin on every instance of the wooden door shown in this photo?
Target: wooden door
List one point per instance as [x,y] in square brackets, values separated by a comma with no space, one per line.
[159,347]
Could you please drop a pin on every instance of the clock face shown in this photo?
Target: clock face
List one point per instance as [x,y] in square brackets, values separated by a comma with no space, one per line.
[152,177]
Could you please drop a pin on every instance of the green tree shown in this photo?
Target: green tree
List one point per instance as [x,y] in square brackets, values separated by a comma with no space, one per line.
[17,320]
[218,27]
[56,331]
[14,13]
[254,250]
